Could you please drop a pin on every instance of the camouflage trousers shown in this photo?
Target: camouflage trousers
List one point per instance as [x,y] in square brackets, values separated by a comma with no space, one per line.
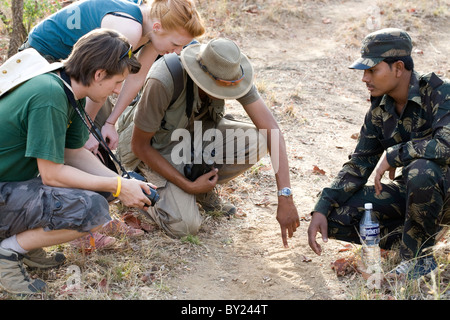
[27,205]
[411,210]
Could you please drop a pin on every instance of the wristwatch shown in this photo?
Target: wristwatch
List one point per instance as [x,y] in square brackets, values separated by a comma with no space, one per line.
[286,192]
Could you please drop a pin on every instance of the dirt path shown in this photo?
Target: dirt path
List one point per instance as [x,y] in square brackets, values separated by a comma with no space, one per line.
[245,258]
[320,104]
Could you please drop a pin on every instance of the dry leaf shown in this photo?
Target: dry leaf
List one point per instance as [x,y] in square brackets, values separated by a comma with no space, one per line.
[240,214]
[347,247]
[354,136]
[317,170]
[103,285]
[264,202]
[305,218]
[251,9]
[130,219]
[344,266]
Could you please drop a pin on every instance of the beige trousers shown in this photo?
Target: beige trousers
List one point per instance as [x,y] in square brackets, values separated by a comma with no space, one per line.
[177,212]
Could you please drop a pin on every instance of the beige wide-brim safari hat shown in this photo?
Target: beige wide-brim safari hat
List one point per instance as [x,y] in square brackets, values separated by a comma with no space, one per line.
[219,68]
[23,66]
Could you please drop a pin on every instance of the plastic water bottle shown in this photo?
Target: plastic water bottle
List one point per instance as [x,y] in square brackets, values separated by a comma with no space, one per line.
[369,229]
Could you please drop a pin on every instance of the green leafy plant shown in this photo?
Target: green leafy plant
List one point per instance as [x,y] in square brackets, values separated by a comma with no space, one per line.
[33,12]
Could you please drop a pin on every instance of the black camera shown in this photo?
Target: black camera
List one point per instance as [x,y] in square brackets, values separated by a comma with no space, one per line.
[153,196]
[194,170]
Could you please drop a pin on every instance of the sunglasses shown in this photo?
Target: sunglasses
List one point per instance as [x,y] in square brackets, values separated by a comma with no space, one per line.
[129,52]
[222,81]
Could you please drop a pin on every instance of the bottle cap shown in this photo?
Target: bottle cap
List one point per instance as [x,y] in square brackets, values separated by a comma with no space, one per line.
[368,206]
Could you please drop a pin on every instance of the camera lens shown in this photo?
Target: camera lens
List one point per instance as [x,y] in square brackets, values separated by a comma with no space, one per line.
[153,196]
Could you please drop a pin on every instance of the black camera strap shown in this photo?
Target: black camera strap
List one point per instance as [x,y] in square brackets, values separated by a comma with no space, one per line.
[91,126]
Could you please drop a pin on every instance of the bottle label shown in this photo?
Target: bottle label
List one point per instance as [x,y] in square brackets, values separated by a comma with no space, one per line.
[370,233]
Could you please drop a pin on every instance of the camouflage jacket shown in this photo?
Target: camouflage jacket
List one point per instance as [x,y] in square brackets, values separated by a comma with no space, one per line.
[422,131]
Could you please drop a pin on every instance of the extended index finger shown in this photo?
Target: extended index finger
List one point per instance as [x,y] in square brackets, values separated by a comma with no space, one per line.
[284,237]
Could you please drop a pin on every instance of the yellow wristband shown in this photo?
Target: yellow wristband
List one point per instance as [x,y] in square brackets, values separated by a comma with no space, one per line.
[119,186]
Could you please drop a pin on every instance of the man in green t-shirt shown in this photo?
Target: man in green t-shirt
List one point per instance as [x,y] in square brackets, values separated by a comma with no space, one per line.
[49,183]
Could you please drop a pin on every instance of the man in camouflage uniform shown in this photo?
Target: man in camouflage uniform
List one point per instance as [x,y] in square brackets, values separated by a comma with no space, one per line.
[406,128]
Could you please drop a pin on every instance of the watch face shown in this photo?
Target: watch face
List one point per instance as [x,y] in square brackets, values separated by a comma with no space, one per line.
[286,192]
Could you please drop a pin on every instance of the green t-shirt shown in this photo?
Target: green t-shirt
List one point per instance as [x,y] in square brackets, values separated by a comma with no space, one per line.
[37,121]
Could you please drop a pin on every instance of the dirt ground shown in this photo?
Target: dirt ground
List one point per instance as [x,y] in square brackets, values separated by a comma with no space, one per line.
[300,51]
[301,68]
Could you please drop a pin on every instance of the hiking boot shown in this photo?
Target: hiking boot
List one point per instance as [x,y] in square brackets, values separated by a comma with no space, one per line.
[416,268]
[13,276]
[94,241]
[210,201]
[39,258]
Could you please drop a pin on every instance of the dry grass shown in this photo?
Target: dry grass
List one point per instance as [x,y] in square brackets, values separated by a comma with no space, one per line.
[132,269]
[435,286]
[139,268]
